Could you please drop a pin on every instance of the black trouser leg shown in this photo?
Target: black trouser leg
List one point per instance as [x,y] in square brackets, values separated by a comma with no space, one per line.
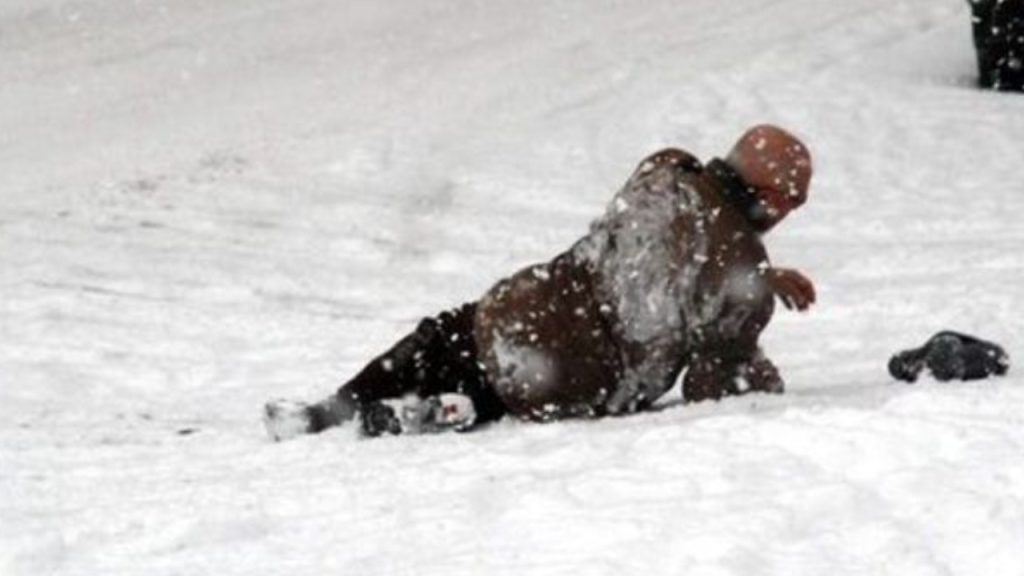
[999,42]
[438,357]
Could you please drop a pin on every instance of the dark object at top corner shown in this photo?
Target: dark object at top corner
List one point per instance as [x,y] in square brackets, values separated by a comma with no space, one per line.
[951,356]
[999,41]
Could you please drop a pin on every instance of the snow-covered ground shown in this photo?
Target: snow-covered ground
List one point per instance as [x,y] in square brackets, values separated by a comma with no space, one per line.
[209,204]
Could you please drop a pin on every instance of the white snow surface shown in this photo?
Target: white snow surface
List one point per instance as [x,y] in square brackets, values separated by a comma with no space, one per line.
[210,204]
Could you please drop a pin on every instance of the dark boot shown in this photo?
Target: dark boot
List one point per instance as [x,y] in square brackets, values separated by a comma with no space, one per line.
[285,419]
[379,418]
[412,415]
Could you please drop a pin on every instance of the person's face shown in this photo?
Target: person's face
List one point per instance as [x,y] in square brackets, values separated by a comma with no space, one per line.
[775,202]
[778,169]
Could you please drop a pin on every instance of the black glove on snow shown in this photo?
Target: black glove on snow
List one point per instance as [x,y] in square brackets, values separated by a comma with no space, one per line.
[951,356]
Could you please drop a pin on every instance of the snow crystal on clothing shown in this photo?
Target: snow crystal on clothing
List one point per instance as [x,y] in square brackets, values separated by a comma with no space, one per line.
[523,363]
[648,273]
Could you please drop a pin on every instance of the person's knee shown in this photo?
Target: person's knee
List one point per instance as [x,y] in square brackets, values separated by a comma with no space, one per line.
[761,375]
[703,381]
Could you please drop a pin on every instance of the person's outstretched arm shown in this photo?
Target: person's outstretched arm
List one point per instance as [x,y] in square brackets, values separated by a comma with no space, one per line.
[792,288]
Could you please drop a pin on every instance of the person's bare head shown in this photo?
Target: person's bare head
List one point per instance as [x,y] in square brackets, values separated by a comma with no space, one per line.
[777,166]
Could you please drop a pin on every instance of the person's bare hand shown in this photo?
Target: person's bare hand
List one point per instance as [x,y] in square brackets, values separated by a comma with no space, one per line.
[791,287]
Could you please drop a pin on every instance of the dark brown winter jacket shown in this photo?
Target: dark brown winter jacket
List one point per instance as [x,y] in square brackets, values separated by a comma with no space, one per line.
[671,277]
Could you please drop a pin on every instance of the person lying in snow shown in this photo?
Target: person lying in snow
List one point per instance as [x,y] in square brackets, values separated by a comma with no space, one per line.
[674,276]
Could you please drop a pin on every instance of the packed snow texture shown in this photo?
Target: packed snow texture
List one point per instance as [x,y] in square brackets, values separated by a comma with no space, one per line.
[210,204]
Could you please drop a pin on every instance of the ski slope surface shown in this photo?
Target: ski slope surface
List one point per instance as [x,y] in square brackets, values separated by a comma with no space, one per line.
[206,205]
